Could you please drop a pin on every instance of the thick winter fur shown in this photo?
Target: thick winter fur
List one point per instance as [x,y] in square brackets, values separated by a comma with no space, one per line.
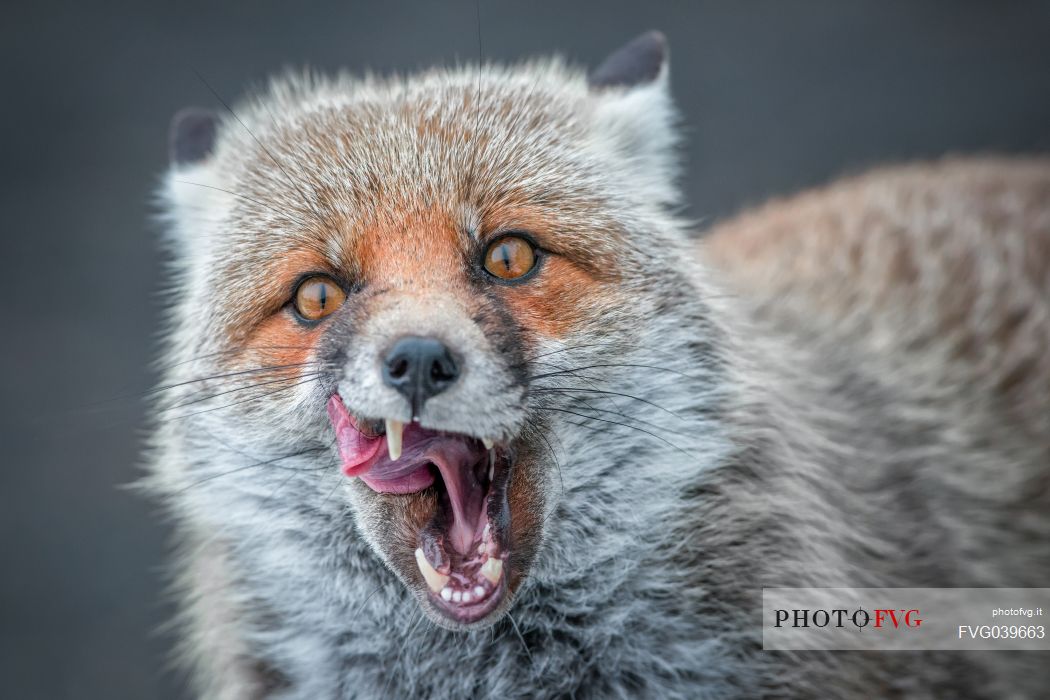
[848,388]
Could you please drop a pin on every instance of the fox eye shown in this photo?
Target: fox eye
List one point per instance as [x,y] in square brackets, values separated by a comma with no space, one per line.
[510,258]
[317,297]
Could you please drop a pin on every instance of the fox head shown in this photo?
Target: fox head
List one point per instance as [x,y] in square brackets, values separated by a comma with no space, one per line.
[450,316]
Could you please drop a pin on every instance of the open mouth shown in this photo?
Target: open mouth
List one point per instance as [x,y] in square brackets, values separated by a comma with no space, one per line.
[462,549]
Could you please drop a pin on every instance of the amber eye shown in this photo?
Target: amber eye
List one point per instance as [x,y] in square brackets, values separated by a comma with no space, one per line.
[317,297]
[510,257]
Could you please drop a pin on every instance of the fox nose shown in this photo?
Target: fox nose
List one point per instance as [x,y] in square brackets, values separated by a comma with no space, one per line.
[419,368]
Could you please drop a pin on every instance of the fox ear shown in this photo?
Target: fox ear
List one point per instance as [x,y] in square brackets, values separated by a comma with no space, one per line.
[639,62]
[635,117]
[191,142]
[191,136]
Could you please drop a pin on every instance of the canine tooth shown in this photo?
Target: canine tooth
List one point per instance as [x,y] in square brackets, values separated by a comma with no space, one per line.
[435,581]
[492,569]
[488,443]
[479,591]
[446,593]
[492,463]
[393,438]
[457,597]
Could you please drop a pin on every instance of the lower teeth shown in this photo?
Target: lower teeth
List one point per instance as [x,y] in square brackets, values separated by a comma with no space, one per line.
[487,576]
[492,570]
[435,580]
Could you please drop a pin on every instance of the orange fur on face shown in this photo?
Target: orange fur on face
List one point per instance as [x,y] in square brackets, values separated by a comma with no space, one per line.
[423,250]
[556,300]
[572,284]
[415,250]
[595,253]
[278,339]
[281,341]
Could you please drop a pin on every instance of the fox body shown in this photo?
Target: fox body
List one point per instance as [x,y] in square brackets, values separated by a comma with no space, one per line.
[608,456]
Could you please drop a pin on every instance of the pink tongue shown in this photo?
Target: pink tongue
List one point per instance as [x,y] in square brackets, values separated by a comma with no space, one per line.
[455,458]
[357,449]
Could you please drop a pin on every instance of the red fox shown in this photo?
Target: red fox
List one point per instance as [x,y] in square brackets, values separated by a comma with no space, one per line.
[456,405]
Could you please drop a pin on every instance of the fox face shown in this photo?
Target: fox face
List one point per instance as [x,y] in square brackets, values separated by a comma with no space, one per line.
[411,301]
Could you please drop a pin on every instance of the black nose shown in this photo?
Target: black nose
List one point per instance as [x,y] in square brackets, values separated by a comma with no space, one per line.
[419,368]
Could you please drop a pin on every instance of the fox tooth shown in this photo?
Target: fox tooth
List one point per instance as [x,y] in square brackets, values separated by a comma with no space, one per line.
[488,443]
[492,464]
[393,438]
[435,581]
[492,569]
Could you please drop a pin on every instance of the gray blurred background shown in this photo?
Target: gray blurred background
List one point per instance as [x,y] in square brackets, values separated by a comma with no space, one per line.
[776,96]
